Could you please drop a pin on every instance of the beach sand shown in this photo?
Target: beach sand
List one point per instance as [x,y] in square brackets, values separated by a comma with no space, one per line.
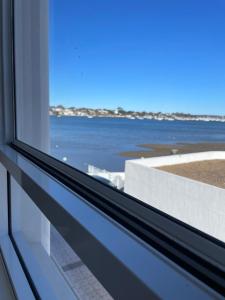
[153,150]
[211,172]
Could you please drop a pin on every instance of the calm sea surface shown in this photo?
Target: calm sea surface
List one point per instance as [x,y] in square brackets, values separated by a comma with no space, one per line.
[99,141]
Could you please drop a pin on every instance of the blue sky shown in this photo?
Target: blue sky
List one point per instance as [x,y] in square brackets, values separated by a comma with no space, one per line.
[154,55]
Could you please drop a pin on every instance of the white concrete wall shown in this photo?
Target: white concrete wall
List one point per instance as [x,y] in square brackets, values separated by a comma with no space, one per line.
[177,159]
[195,203]
[116,178]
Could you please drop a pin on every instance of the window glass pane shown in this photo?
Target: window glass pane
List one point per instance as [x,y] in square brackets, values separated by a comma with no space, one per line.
[56,269]
[131,93]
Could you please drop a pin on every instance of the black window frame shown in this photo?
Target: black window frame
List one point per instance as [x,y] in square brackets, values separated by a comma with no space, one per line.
[187,246]
[191,249]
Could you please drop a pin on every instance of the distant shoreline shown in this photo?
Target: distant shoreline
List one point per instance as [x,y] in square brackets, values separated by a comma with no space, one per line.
[60,111]
[199,119]
[153,150]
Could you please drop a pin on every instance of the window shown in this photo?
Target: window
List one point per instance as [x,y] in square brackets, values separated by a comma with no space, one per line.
[98,72]
[38,240]
[97,87]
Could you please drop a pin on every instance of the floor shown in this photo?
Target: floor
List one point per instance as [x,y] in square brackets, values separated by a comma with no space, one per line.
[82,281]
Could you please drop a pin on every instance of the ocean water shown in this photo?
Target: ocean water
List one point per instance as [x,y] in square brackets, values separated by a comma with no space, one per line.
[98,141]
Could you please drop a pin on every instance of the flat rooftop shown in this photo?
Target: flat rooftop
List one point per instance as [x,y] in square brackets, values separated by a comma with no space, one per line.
[207,171]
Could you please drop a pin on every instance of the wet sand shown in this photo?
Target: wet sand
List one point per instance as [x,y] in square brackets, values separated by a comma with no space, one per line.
[211,172]
[153,150]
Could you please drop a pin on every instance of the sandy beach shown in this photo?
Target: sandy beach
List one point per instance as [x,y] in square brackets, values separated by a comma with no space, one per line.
[211,172]
[153,150]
